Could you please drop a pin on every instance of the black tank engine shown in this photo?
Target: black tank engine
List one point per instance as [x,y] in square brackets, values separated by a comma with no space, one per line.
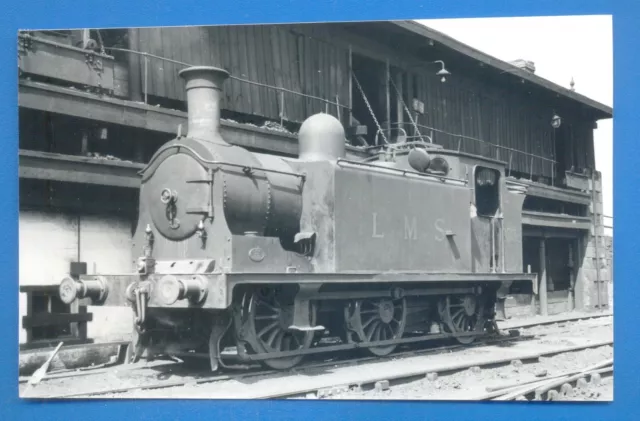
[271,255]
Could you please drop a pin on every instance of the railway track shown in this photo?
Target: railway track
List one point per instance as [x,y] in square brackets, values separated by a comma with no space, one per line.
[253,375]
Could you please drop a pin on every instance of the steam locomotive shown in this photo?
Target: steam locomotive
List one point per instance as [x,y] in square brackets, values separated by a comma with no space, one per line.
[272,255]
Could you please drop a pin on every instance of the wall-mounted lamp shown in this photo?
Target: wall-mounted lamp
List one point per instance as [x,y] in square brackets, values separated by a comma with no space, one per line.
[442,72]
[556,121]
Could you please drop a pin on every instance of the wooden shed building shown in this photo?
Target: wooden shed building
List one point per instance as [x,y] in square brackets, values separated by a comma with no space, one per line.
[95,105]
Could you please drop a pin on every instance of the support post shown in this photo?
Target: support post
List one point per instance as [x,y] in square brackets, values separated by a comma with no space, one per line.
[350,117]
[572,276]
[543,278]
[596,237]
[135,91]
[388,94]
[399,99]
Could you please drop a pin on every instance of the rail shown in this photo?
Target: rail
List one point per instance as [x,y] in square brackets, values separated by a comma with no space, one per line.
[281,90]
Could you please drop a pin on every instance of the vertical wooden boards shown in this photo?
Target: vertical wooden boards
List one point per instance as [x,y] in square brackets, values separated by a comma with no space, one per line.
[466,112]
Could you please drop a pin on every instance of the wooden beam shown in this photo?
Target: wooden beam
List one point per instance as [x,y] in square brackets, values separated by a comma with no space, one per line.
[76,169]
[552,220]
[546,232]
[70,102]
[53,319]
[555,193]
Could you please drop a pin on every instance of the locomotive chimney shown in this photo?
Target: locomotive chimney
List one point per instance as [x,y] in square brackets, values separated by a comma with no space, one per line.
[204,88]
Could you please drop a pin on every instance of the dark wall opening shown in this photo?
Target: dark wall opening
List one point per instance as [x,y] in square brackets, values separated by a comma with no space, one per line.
[371,75]
[559,260]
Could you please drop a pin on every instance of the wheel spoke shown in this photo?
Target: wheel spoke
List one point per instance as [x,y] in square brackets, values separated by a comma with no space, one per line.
[269,306]
[280,341]
[377,332]
[372,329]
[272,337]
[461,323]
[272,317]
[285,343]
[458,317]
[267,328]
[371,320]
[391,334]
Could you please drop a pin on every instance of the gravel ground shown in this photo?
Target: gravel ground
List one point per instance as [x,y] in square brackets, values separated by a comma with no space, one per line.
[461,385]
[469,384]
[472,383]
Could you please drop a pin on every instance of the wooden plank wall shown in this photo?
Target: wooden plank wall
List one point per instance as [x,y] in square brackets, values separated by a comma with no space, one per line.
[293,57]
[462,112]
[314,60]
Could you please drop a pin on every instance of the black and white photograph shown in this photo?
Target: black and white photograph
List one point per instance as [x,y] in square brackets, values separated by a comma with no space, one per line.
[375,210]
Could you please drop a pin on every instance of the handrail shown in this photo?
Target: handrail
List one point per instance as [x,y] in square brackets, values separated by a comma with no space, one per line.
[277,88]
[402,172]
[484,141]
[245,168]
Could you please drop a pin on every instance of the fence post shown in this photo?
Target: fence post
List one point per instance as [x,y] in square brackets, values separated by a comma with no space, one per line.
[531,170]
[281,107]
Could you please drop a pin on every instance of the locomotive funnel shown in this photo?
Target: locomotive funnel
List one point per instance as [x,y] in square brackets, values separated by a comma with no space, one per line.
[204,88]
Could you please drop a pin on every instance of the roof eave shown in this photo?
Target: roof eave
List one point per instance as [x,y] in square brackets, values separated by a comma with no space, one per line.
[602,111]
